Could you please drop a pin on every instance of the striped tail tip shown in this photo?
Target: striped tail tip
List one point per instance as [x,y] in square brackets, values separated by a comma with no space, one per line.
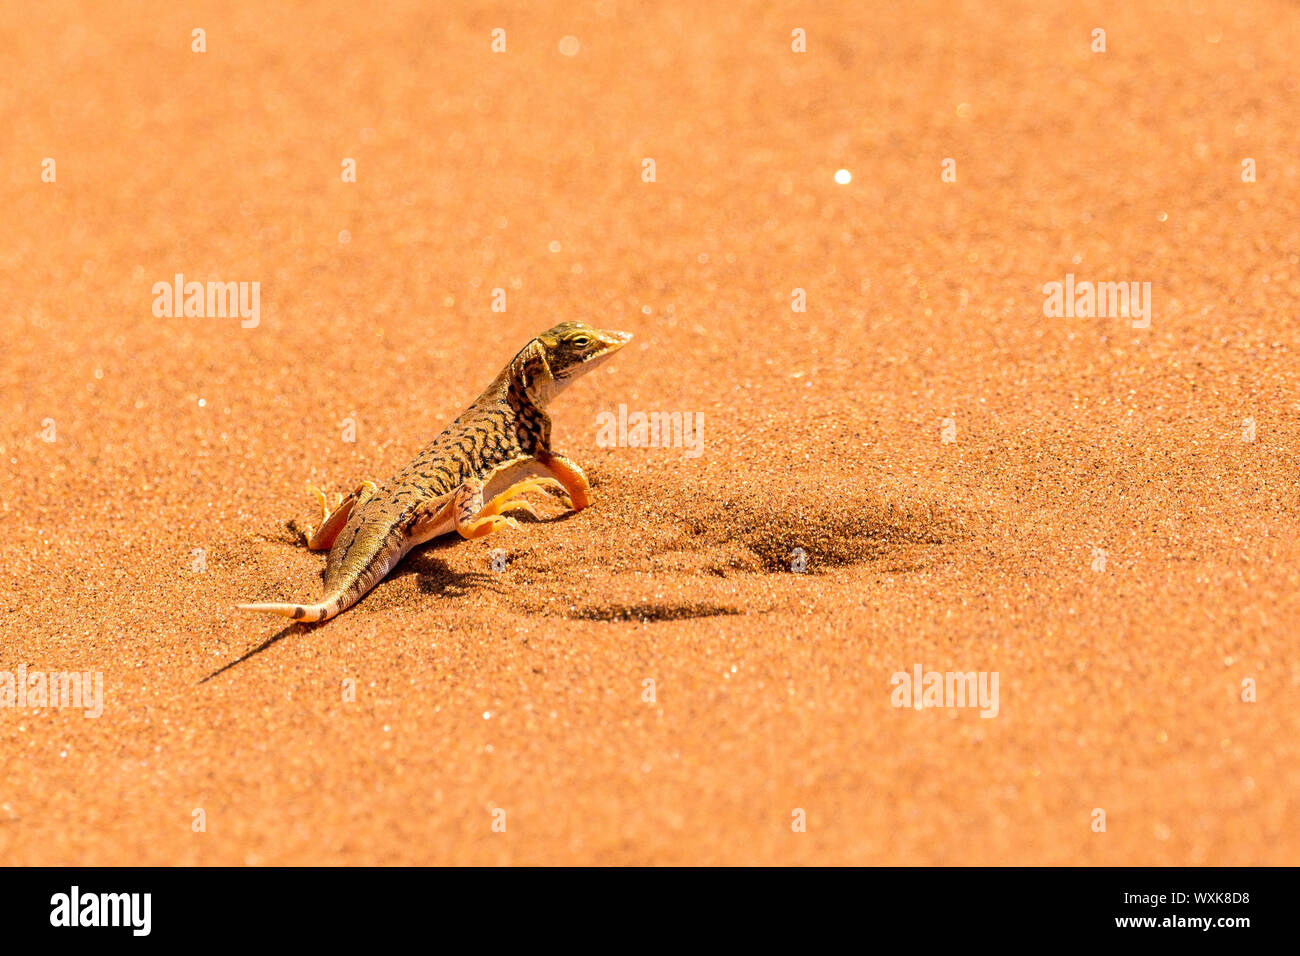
[307,613]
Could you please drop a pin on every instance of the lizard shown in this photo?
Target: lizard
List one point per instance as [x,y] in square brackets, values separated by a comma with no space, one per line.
[466,480]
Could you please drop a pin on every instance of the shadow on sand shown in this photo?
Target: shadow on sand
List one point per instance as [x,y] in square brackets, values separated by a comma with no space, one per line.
[433,576]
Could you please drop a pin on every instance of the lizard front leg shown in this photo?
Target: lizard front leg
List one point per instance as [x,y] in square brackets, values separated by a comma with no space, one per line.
[568,474]
[332,521]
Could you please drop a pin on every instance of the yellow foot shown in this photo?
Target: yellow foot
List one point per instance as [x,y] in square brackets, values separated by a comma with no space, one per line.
[503,503]
[333,519]
[482,527]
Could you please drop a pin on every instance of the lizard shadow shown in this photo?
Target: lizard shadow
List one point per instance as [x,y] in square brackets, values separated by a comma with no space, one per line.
[295,628]
[433,576]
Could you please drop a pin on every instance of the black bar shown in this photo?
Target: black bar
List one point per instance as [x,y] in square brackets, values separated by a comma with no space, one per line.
[331,906]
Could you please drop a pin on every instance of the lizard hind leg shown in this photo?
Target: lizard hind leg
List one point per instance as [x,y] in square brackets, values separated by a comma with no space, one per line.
[506,500]
[473,518]
[465,512]
[333,520]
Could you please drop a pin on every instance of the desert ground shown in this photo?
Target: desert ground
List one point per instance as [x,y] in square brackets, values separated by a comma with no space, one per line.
[903,460]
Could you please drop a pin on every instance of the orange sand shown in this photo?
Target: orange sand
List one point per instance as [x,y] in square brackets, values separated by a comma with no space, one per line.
[522,690]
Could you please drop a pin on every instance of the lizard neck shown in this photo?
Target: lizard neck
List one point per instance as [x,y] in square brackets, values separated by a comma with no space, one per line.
[525,384]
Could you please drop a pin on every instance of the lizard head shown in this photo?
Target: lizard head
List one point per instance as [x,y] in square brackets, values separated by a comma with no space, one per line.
[567,351]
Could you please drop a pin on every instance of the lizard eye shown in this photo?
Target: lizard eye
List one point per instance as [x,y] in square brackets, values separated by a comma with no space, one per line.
[580,341]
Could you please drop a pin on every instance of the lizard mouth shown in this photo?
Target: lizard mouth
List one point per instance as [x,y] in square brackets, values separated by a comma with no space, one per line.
[611,342]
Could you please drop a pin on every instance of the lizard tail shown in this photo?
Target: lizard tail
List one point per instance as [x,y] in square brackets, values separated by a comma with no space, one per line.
[307,613]
[341,597]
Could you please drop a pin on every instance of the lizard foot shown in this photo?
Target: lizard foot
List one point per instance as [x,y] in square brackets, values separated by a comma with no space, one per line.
[333,519]
[503,503]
